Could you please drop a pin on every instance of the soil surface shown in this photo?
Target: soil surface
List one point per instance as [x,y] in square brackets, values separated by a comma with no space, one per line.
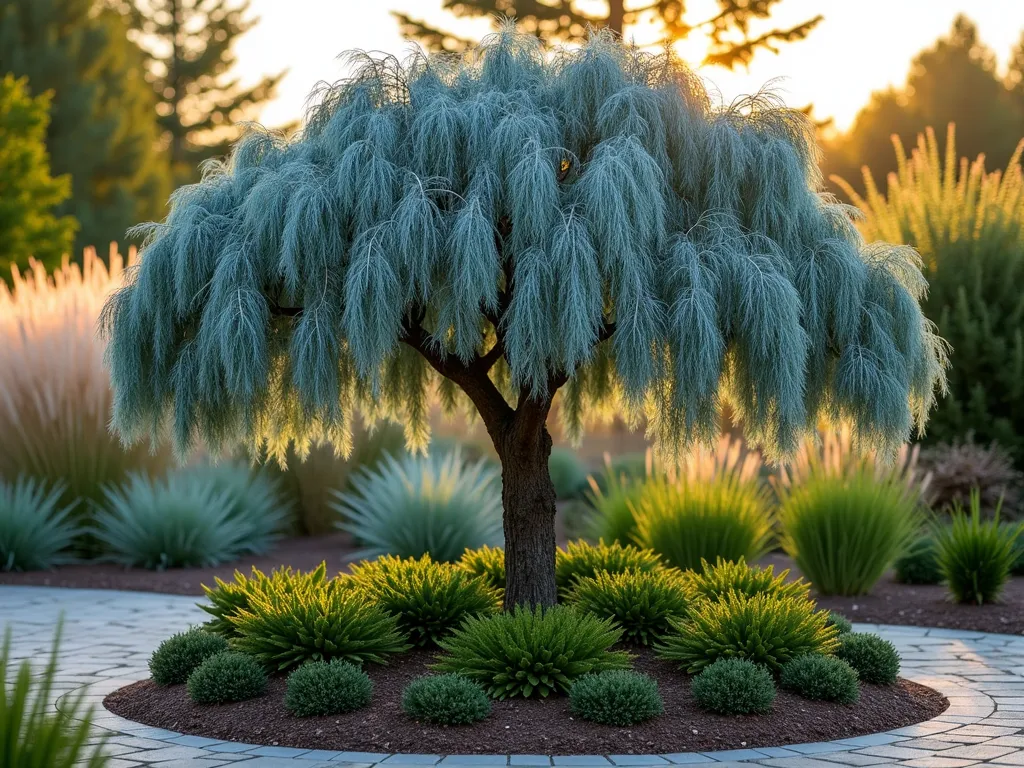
[888,603]
[543,726]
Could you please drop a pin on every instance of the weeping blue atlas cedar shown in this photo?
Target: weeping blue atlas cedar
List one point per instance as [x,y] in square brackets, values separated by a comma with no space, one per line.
[590,211]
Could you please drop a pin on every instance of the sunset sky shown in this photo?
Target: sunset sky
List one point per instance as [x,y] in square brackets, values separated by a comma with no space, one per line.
[861,46]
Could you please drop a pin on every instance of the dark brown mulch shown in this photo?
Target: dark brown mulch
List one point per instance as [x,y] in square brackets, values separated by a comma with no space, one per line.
[526,726]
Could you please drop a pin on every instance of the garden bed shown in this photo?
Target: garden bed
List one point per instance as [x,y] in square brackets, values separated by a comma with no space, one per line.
[528,726]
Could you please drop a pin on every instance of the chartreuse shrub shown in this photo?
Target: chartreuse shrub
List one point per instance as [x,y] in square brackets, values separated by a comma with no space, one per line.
[32,733]
[713,506]
[919,564]
[36,532]
[876,660]
[976,556]
[642,603]
[840,622]
[487,563]
[327,688]
[734,687]
[815,676]
[227,598]
[435,505]
[175,658]
[445,700]
[713,582]
[429,599]
[846,516]
[581,559]
[765,629]
[285,629]
[226,676]
[193,517]
[505,224]
[568,473]
[615,697]
[531,651]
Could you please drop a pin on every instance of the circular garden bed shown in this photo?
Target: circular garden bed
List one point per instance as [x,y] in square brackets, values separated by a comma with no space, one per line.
[416,655]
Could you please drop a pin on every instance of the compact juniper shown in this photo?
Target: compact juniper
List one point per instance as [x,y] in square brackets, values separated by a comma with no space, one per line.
[503,225]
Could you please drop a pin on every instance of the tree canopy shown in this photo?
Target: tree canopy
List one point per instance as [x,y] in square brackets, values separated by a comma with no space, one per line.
[28,194]
[509,222]
[732,40]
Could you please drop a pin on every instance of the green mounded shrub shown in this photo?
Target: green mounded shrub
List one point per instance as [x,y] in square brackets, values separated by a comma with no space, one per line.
[616,697]
[713,582]
[968,226]
[173,661]
[643,604]
[568,473]
[528,652]
[487,563]
[975,556]
[36,532]
[225,677]
[734,687]
[845,516]
[714,506]
[824,678]
[919,564]
[445,700]
[876,660]
[32,733]
[435,505]
[612,497]
[429,599]
[581,559]
[765,629]
[285,629]
[227,598]
[327,688]
[840,622]
[191,518]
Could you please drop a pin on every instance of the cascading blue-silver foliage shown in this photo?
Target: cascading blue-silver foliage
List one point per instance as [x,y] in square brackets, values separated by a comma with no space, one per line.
[543,199]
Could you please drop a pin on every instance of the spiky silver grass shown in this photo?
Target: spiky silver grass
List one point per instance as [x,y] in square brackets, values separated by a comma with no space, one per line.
[590,212]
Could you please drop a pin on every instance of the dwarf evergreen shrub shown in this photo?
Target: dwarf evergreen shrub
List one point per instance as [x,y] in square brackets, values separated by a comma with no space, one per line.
[429,599]
[920,563]
[734,687]
[876,660]
[615,697]
[486,562]
[173,661]
[840,622]
[581,559]
[643,604]
[226,676]
[827,678]
[531,651]
[327,688]
[713,582]
[765,629]
[445,700]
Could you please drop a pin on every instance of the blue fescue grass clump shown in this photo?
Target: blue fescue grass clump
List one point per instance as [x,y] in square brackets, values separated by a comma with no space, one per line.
[435,505]
[36,531]
[547,201]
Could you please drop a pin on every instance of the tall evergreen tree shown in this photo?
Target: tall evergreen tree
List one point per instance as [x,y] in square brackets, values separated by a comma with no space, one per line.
[730,29]
[189,44]
[28,194]
[513,225]
[103,125]
[954,81]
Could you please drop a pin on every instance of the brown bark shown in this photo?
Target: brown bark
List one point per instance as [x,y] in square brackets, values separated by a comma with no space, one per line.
[616,15]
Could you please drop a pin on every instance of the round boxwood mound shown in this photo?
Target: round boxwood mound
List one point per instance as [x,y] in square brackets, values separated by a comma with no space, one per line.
[327,688]
[445,700]
[616,697]
[840,622]
[180,654]
[734,687]
[875,659]
[821,677]
[226,676]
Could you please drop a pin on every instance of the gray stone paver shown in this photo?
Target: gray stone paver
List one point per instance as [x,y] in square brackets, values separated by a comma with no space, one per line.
[108,637]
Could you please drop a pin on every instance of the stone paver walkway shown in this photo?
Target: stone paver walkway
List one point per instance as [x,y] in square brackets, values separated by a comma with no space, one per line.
[109,636]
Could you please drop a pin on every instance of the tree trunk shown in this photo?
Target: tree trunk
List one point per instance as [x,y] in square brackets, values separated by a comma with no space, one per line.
[616,16]
[528,499]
